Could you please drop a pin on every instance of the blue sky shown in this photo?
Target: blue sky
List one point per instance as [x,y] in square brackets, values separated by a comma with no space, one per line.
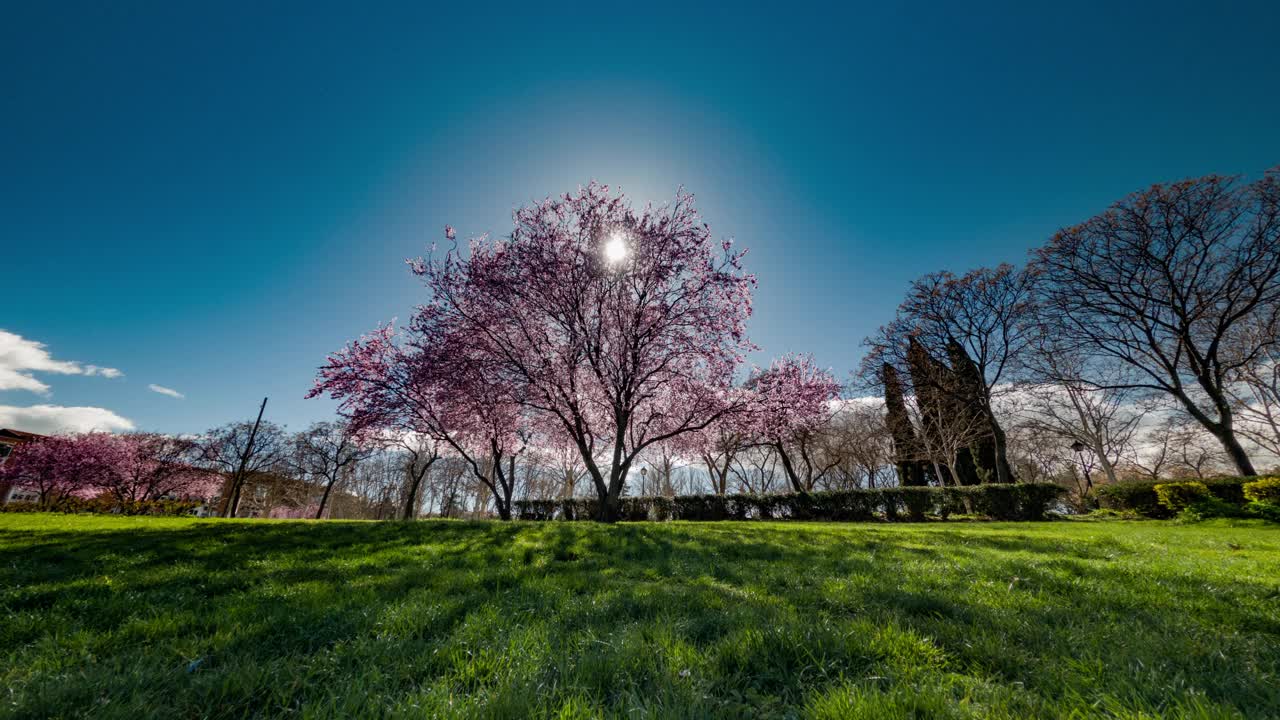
[211,200]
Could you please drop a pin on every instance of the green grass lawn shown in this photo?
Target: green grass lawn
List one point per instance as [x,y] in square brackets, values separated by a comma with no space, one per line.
[169,618]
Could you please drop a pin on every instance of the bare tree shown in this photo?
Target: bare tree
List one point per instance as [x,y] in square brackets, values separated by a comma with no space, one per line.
[450,482]
[1255,396]
[1154,453]
[716,447]
[371,489]
[418,453]
[240,450]
[1169,281]
[857,439]
[945,440]
[328,449]
[756,469]
[1102,414]
[660,472]
[1197,453]
[1041,454]
[980,320]
[1174,447]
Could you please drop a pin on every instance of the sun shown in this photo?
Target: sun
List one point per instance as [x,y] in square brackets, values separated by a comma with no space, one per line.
[616,249]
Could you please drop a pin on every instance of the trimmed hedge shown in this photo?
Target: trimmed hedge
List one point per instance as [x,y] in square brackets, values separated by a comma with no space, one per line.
[1178,496]
[1140,496]
[1021,501]
[1264,490]
[105,506]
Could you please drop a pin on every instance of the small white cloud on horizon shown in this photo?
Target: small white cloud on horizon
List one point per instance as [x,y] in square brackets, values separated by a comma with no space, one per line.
[166,391]
[20,358]
[51,419]
[105,372]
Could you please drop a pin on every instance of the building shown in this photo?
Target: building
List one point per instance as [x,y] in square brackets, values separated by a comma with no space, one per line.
[10,440]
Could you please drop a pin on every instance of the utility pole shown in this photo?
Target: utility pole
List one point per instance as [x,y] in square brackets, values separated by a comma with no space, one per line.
[237,480]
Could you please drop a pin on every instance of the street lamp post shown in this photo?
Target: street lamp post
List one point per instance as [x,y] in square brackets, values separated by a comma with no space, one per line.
[1079,449]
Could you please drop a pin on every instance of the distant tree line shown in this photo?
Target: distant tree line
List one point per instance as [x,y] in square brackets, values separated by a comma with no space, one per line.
[1141,342]
[599,352]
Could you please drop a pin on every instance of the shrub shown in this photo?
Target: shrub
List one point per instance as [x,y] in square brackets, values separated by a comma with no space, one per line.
[1178,496]
[1017,501]
[1022,501]
[913,502]
[1266,511]
[1265,490]
[995,501]
[104,505]
[1140,495]
[1209,506]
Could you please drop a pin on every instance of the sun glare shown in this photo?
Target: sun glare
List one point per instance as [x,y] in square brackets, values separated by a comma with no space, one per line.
[616,249]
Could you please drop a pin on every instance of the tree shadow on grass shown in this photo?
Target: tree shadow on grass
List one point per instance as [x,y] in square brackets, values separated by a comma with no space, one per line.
[782,610]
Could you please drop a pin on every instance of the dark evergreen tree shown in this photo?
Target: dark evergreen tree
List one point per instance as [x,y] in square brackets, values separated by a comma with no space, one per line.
[908,455]
[987,449]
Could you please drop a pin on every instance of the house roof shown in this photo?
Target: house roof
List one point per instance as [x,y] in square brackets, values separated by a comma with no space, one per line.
[18,435]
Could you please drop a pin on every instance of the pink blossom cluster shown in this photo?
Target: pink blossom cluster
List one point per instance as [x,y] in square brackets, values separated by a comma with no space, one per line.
[131,467]
[791,397]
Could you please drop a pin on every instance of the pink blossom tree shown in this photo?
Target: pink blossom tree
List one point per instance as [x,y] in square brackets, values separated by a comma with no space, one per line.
[793,401]
[435,390]
[129,468]
[623,327]
[150,466]
[54,467]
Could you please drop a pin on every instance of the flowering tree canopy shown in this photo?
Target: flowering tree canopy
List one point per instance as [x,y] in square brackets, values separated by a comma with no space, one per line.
[617,327]
[52,466]
[150,466]
[792,400]
[431,385]
[130,468]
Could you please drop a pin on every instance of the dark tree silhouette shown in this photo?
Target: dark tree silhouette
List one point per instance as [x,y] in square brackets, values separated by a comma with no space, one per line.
[1174,282]
[908,456]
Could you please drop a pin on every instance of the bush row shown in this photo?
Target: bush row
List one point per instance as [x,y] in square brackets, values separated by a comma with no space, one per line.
[1140,496]
[911,504]
[1192,500]
[105,505]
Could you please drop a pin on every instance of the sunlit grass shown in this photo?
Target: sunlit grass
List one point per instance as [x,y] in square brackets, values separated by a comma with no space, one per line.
[139,618]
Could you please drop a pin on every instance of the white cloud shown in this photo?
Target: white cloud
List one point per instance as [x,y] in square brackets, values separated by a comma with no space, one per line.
[166,391]
[20,358]
[105,372]
[47,419]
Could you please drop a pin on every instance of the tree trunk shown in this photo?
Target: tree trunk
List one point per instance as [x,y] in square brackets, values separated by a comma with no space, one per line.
[611,503]
[324,499]
[790,469]
[1107,468]
[1222,429]
[610,509]
[410,503]
[1235,450]
[1004,473]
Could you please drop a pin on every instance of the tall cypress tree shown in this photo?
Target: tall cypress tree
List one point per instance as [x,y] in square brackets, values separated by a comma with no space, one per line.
[906,446]
[991,462]
[930,378]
